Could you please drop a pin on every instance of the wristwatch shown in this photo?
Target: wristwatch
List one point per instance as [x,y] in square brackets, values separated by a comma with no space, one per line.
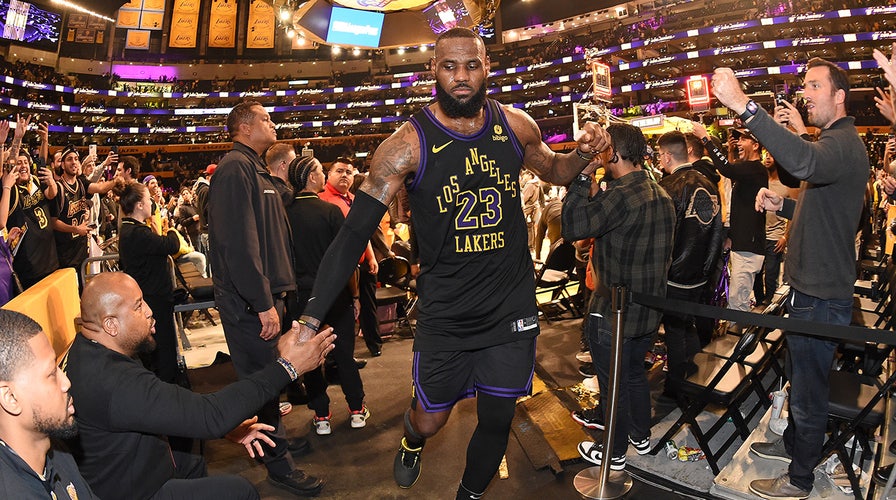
[752,109]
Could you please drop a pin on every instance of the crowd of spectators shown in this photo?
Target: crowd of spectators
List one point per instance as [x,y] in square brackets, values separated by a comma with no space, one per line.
[641,25]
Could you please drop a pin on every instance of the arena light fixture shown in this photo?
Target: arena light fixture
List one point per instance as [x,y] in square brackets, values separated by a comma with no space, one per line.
[74,6]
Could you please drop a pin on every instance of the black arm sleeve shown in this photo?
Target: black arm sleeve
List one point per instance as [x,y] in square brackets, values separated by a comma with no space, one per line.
[342,256]
[787,209]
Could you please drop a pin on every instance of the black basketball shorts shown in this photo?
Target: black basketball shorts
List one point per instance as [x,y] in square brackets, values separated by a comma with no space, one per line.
[442,378]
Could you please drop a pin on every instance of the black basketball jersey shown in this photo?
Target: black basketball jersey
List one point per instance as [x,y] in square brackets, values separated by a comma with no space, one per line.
[36,256]
[73,207]
[476,283]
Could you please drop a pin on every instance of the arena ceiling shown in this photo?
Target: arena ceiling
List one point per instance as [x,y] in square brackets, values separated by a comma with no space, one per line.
[105,7]
[384,5]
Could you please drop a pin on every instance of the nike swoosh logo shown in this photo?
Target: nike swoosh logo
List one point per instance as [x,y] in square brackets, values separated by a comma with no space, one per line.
[436,149]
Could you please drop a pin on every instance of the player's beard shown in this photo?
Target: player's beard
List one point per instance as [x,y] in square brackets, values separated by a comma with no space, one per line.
[461,109]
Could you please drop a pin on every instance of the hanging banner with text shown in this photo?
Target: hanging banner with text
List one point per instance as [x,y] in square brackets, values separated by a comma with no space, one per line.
[137,40]
[262,22]
[128,18]
[85,29]
[184,24]
[222,24]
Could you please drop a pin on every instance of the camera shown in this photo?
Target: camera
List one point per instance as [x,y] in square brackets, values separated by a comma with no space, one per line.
[781,99]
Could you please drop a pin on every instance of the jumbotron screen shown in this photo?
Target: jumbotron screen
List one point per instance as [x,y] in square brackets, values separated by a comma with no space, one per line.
[446,14]
[25,23]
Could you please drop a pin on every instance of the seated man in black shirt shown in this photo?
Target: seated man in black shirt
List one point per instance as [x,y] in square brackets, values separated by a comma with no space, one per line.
[125,412]
[36,407]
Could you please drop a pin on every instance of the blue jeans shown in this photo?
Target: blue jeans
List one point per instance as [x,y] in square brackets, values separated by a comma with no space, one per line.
[633,412]
[809,361]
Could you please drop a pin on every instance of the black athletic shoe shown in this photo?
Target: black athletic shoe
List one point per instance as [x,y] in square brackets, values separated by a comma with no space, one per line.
[594,453]
[591,418]
[297,483]
[407,465]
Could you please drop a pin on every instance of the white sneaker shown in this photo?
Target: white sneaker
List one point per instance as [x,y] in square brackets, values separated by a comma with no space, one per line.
[359,417]
[590,384]
[321,425]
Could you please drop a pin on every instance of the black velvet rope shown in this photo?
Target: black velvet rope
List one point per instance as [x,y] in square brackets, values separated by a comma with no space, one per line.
[855,334]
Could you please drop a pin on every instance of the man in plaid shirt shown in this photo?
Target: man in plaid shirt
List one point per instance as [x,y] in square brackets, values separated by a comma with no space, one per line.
[633,223]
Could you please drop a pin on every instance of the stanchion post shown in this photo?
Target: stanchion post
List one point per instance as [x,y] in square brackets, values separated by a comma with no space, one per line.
[620,484]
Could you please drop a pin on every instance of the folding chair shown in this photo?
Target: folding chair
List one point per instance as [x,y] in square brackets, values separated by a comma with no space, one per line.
[726,383]
[107,263]
[397,288]
[856,408]
[557,271]
[867,358]
[198,295]
[764,358]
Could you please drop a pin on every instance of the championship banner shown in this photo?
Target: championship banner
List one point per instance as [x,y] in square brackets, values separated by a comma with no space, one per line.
[158,5]
[262,21]
[128,18]
[96,23]
[150,20]
[186,7]
[84,36]
[222,24]
[184,24]
[77,20]
[81,29]
[137,40]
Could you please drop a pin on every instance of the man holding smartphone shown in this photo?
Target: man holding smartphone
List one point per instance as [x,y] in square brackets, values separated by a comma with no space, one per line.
[72,221]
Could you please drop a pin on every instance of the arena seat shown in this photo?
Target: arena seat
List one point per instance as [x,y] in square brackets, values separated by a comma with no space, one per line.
[54,302]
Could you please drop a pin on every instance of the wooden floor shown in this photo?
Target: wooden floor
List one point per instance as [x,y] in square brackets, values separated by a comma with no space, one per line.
[357,463]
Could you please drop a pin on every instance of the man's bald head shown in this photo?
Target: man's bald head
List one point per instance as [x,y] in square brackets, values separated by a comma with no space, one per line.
[102,296]
[114,314]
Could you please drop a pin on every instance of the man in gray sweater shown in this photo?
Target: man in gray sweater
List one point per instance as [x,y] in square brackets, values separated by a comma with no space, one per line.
[821,254]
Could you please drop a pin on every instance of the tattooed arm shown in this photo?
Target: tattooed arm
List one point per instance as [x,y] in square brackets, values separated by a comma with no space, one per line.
[394,159]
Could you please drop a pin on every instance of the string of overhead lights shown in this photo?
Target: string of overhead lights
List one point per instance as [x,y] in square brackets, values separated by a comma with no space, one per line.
[74,6]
